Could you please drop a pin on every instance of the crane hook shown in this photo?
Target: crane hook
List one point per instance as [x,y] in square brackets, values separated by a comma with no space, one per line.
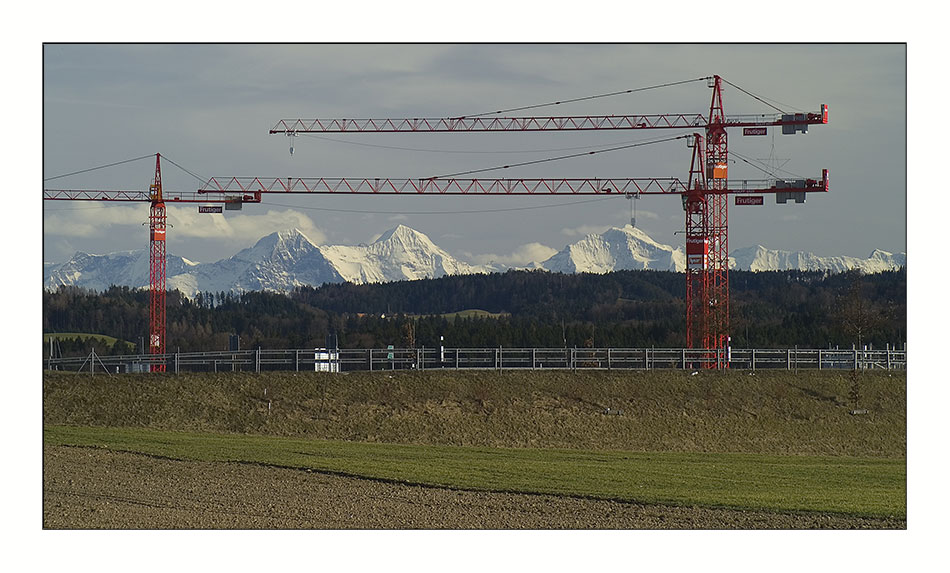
[633,208]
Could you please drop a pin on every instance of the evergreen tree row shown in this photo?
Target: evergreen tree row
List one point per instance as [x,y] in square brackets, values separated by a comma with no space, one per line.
[521,309]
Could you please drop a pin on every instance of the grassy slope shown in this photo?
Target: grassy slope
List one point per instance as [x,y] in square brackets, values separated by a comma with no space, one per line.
[775,440]
[81,335]
[769,413]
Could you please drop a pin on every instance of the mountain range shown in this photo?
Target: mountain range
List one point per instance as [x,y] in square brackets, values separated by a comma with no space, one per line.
[284,260]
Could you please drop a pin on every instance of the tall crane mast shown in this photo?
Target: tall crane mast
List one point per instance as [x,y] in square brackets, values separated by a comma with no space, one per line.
[705,198]
[157,224]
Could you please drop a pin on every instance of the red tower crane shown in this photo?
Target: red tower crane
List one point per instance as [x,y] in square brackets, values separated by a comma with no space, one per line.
[157,223]
[705,198]
[704,195]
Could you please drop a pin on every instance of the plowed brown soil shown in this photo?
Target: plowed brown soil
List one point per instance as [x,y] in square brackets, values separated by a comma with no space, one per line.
[87,488]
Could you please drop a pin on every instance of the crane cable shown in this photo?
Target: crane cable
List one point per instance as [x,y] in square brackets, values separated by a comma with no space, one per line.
[763,169]
[585,98]
[759,98]
[99,167]
[461,212]
[200,179]
[457,151]
[573,155]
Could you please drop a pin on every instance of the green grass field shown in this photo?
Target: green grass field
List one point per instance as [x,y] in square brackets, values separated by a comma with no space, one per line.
[778,441]
[854,486]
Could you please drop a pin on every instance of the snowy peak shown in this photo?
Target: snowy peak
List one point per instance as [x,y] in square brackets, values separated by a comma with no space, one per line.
[759,258]
[280,245]
[629,248]
[278,262]
[398,254]
[405,237]
[626,248]
[99,272]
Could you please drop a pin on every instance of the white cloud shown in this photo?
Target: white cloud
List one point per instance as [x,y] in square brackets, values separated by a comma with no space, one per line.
[97,221]
[92,219]
[523,255]
[584,230]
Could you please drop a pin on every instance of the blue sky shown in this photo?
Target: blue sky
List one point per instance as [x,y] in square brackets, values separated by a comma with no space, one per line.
[208,108]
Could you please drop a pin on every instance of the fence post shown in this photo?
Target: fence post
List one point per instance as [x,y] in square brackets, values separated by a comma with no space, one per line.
[257,360]
[753,359]
[608,359]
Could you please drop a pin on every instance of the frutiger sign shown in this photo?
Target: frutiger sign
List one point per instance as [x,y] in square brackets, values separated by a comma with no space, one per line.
[210,209]
[755,131]
[697,253]
[754,200]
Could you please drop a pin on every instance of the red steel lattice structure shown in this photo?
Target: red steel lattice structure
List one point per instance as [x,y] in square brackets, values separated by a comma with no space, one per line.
[157,224]
[705,198]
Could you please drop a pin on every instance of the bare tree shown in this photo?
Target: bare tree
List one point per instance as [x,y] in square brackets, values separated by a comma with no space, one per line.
[855,313]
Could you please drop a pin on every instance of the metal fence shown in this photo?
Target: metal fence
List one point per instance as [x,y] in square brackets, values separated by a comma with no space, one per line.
[343,360]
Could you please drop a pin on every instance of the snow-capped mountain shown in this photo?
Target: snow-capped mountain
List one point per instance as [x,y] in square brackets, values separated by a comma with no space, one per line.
[616,249]
[278,262]
[99,272]
[758,258]
[281,261]
[398,254]
[630,248]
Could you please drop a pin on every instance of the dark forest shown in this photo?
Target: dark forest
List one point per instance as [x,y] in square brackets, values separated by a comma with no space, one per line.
[777,309]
